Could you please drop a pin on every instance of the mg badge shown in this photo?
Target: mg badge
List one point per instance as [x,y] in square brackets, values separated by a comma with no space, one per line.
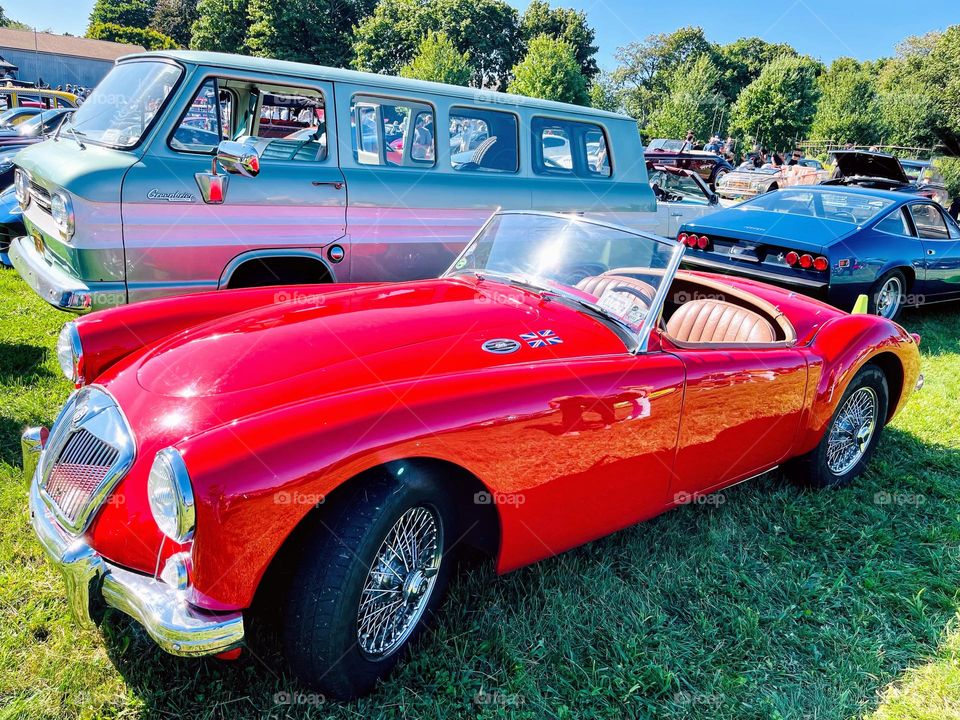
[37,241]
[501,346]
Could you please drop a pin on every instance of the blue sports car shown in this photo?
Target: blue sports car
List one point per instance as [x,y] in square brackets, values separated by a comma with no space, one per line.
[835,244]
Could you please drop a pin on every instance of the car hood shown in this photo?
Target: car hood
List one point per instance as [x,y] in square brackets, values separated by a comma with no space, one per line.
[854,163]
[373,335]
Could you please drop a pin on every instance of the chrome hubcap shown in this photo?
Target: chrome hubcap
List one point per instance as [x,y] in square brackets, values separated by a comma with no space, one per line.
[852,431]
[400,582]
[888,299]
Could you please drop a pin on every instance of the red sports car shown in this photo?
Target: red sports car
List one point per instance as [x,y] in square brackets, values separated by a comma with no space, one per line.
[326,450]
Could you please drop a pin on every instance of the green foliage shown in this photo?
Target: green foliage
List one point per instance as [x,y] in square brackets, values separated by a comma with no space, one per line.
[313,31]
[691,101]
[742,61]
[7,22]
[221,26]
[777,108]
[562,24]
[128,13]
[438,60]
[644,67]
[550,71]
[175,19]
[849,105]
[605,93]
[489,30]
[941,74]
[148,38]
[950,167]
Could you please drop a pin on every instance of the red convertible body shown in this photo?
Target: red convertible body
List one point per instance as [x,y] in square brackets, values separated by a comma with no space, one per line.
[548,425]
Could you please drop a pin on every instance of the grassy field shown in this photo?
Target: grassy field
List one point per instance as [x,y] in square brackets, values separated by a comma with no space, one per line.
[773,602]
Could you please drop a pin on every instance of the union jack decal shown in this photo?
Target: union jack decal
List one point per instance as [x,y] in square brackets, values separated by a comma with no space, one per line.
[541,338]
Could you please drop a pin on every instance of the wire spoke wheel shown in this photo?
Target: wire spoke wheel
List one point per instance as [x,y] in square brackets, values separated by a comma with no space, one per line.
[400,581]
[852,431]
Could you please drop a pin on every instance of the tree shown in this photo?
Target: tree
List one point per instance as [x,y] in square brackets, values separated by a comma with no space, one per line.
[488,29]
[645,66]
[692,101]
[150,39]
[940,72]
[315,31]
[777,108]
[742,61]
[221,26]
[175,18]
[563,24]
[909,110]
[550,71]
[127,13]
[849,106]
[438,60]
[7,22]
[605,93]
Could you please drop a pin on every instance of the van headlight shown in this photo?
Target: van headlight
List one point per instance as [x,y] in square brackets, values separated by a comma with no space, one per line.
[61,208]
[171,496]
[21,186]
[70,353]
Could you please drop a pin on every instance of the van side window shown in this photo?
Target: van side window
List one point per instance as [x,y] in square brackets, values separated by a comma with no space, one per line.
[387,132]
[565,147]
[483,140]
[293,124]
[202,128]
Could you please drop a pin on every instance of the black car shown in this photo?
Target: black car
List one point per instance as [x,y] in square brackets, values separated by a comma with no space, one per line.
[709,166]
[882,171]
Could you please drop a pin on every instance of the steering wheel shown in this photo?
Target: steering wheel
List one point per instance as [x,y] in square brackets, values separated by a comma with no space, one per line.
[575,273]
[850,215]
[631,290]
[636,312]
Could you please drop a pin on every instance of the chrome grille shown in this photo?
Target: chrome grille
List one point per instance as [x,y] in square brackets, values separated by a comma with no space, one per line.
[78,472]
[40,195]
[89,450]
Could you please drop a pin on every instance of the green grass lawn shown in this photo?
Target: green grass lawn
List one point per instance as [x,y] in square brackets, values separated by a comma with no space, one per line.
[776,603]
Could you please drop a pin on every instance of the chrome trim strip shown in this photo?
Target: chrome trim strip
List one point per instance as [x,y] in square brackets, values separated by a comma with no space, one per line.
[176,626]
[772,277]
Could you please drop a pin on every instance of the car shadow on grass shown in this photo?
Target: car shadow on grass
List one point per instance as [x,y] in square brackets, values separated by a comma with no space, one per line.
[777,601]
[22,363]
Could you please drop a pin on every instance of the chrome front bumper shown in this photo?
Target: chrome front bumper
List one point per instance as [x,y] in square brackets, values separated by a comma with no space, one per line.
[175,625]
[58,287]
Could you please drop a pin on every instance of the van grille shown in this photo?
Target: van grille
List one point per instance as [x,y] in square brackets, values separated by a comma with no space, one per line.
[40,195]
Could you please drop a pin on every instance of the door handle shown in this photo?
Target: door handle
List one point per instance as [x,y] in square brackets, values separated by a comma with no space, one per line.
[676,214]
[931,252]
[337,185]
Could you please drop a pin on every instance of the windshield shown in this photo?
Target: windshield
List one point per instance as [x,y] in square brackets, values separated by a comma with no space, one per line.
[564,256]
[125,102]
[850,207]
[912,171]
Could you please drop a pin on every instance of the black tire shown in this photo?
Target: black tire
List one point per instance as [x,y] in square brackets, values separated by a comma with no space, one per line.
[320,617]
[876,303]
[814,468]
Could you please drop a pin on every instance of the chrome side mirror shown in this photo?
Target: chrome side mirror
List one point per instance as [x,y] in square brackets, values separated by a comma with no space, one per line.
[238,158]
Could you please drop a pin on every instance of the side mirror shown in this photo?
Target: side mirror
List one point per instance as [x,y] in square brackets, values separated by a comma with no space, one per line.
[238,158]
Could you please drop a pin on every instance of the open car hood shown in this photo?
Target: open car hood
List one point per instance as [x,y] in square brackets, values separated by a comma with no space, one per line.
[859,163]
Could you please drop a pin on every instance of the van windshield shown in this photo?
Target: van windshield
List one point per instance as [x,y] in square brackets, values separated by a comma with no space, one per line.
[125,103]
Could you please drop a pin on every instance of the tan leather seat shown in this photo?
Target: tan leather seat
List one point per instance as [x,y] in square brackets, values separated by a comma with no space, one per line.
[716,321]
[597,285]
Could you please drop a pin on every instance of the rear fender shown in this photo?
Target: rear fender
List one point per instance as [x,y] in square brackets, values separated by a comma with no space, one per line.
[838,351]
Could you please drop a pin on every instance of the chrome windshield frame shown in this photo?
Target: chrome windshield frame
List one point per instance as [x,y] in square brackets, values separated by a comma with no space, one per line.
[641,336]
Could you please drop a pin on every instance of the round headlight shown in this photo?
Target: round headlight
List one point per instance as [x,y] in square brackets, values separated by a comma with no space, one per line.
[61,209]
[70,353]
[171,496]
[21,185]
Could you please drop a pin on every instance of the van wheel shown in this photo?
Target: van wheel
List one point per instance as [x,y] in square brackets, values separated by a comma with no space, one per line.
[373,573]
[851,436]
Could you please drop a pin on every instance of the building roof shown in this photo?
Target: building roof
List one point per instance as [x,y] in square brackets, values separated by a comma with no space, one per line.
[64,45]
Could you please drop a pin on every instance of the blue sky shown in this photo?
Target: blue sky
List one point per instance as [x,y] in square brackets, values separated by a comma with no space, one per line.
[822,28]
